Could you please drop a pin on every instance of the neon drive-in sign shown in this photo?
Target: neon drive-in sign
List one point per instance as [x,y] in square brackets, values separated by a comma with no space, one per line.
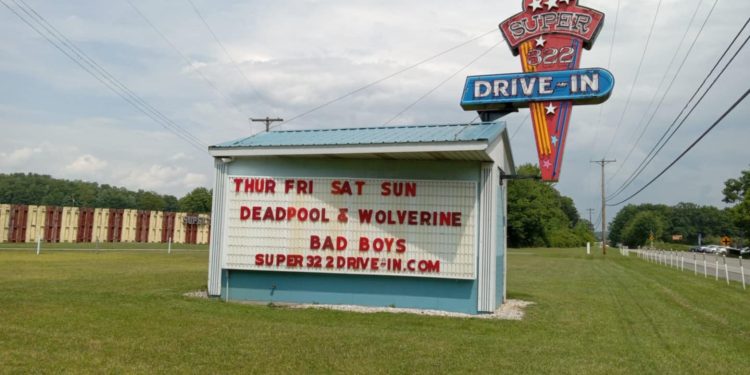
[549,36]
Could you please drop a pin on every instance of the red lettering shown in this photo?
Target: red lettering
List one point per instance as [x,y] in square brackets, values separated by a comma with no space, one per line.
[359,184]
[294,261]
[401,245]
[314,242]
[291,213]
[412,217]
[244,213]
[398,189]
[328,243]
[270,186]
[365,216]
[256,213]
[258,259]
[268,214]
[280,259]
[424,218]
[339,188]
[385,189]
[341,243]
[364,244]
[303,186]
[280,214]
[456,216]
[237,184]
[288,185]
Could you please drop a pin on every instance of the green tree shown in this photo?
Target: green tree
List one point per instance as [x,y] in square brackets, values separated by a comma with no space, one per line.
[197,201]
[538,216]
[645,223]
[148,200]
[737,191]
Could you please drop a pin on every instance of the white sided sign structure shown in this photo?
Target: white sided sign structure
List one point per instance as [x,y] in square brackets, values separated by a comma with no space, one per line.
[421,228]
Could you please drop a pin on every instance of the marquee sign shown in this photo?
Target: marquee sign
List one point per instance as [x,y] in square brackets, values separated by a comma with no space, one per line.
[420,228]
[549,36]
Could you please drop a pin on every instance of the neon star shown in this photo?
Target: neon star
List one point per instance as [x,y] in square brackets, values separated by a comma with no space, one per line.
[551,4]
[554,140]
[535,4]
[550,109]
[546,163]
[540,41]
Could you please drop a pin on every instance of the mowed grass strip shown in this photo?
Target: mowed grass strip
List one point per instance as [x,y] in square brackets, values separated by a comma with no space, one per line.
[124,312]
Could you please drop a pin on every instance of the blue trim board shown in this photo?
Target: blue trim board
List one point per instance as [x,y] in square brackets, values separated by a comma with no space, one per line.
[383,291]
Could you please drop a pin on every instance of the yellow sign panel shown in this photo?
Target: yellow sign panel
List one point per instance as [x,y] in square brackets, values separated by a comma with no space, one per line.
[726,240]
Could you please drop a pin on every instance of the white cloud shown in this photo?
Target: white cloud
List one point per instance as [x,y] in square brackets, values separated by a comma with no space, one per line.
[18,156]
[160,178]
[86,164]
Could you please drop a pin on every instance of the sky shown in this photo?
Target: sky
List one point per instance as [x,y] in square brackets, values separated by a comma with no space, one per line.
[284,58]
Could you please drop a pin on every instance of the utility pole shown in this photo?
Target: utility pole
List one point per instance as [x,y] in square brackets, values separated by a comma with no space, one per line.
[604,162]
[267,120]
[591,220]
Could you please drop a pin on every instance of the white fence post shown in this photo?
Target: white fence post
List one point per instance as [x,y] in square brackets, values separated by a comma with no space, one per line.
[726,270]
[682,262]
[588,248]
[717,267]
[695,265]
[742,271]
[38,245]
[705,268]
[169,246]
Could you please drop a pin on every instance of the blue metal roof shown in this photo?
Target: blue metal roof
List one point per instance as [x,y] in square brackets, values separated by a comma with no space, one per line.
[369,136]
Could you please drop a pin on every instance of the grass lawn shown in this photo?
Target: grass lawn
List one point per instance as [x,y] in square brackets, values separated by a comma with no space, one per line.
[122,311]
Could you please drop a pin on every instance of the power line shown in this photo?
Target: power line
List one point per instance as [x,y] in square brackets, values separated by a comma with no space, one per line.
[373,83]
[727,112]
[188,61]
[64,45]
[659,144]
[609,66]
[635,80]
[216,38]
[663,79]
[520,126]
[439,85]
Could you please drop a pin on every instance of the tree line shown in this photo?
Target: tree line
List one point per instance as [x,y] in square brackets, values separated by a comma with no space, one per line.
[36,189]
[635,224]
[539,216]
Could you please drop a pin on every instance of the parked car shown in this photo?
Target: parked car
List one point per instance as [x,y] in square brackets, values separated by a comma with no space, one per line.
[721,250]
[745,252]
[710,249]
[695,249]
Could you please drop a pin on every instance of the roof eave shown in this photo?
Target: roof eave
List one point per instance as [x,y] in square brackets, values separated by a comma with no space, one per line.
[218,152]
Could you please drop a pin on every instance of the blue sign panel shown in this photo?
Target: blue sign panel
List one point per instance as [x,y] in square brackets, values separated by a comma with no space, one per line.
[501,91]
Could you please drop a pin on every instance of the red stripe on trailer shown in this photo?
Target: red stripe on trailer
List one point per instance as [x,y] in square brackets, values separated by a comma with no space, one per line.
[167,226]
[142,224]
[114,227]
[53,224]
[19,216]
[85,225]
